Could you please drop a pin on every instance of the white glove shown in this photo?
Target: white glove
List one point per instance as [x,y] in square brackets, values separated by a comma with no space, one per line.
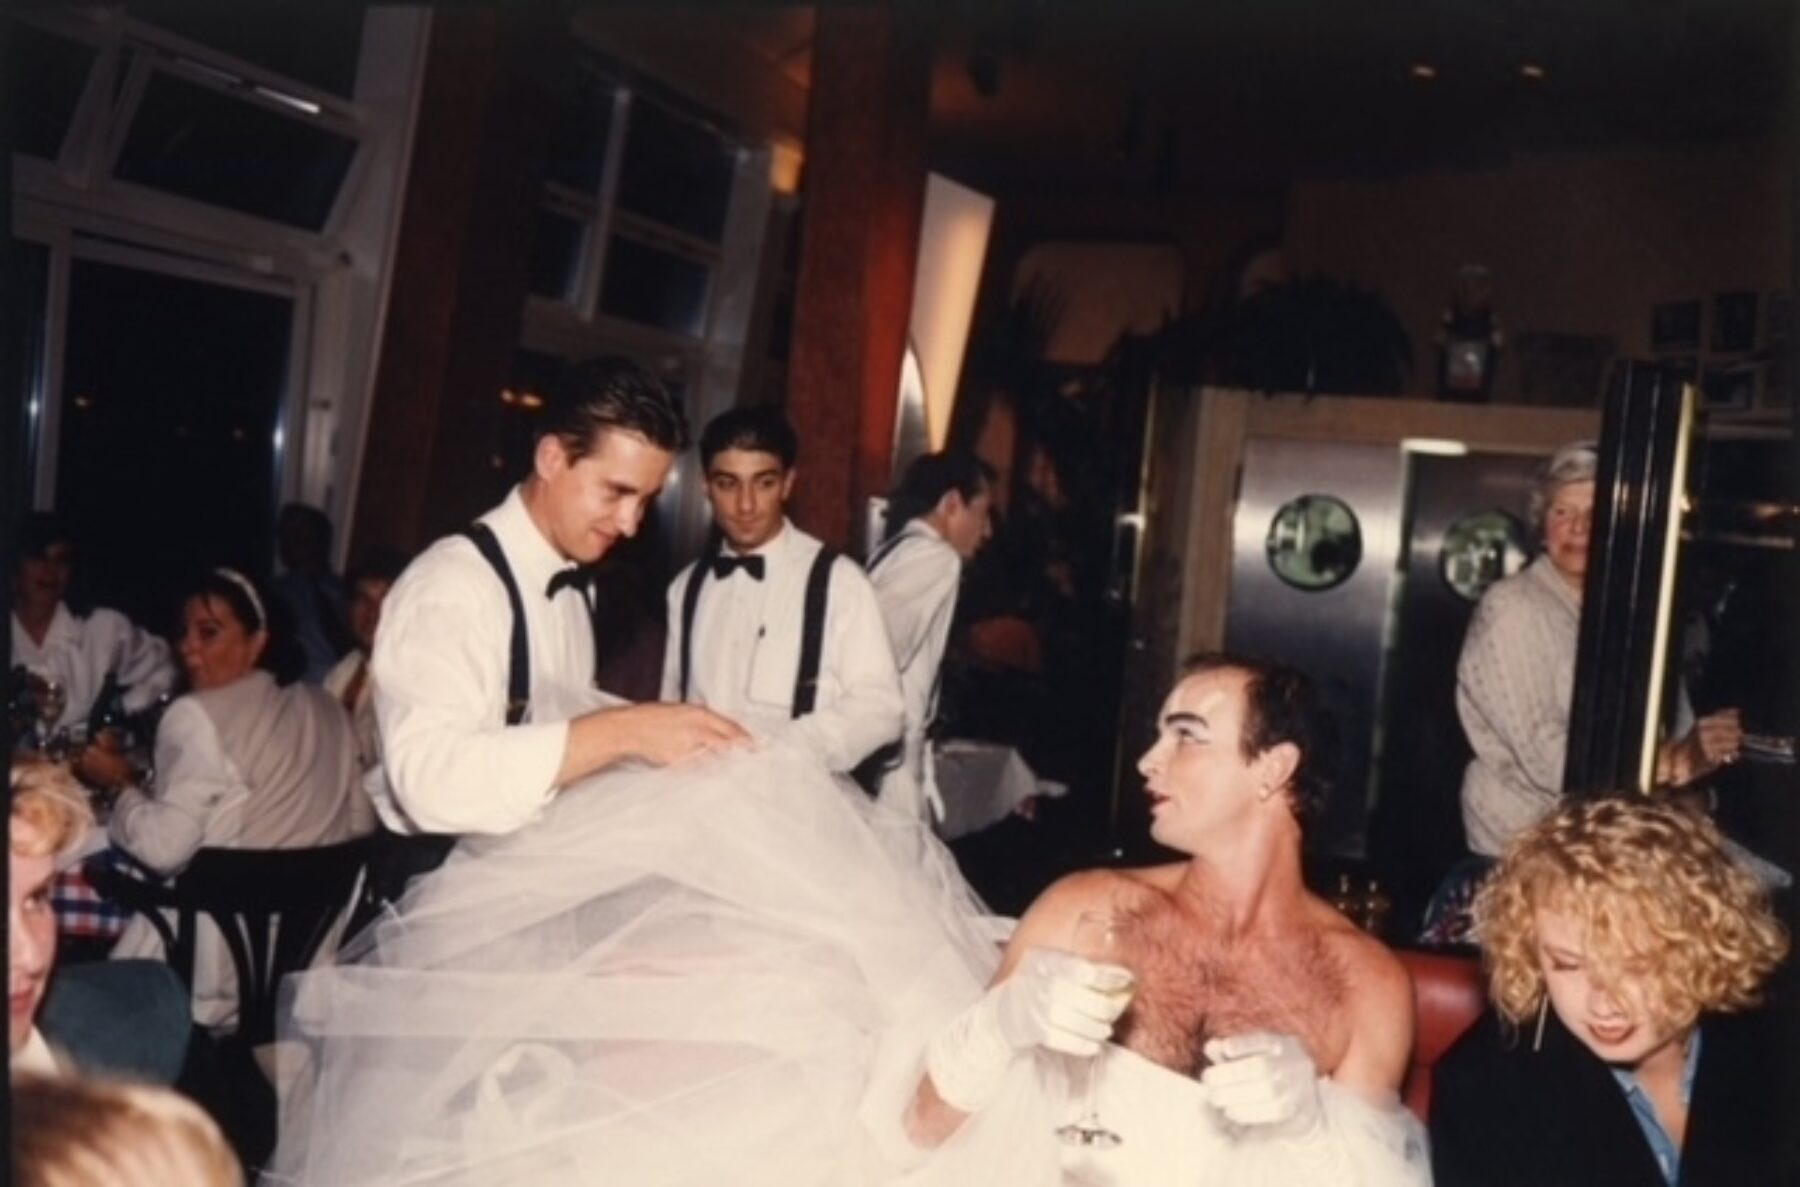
[1054,1000]
[1263,1079]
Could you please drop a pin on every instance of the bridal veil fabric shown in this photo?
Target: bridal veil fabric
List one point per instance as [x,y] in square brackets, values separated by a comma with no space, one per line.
[722,972]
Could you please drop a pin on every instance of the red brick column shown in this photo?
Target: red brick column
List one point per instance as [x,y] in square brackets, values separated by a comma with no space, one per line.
[864,195]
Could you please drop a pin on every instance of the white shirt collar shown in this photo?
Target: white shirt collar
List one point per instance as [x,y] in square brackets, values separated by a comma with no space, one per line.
[534,559]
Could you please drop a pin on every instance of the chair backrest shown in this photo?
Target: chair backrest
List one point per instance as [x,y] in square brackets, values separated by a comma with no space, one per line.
[274,908]
[1449,993]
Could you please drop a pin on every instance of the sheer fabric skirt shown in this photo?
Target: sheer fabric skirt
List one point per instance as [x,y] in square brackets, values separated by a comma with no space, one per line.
[716,973]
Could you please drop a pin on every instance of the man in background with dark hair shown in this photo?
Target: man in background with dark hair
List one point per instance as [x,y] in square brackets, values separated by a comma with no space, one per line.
[939,517]
[312,592]
[461,752]
[1278,1030]
[769,627]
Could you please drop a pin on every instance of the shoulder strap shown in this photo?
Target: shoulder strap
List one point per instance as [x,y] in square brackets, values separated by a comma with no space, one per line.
[887,549]
[812,636]
[518,677]
[690,602]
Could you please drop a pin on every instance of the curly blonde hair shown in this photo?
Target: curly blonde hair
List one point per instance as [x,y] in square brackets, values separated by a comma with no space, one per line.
[1656,897]
[49,811]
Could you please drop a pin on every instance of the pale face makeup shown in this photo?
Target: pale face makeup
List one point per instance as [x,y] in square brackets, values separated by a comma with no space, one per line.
[1195,773]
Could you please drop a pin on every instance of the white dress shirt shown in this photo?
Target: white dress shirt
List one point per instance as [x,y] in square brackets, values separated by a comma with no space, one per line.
[746,653]
[78,653]
[916,577]
[362,709]
[306,796]
[36,1056]
[450,763]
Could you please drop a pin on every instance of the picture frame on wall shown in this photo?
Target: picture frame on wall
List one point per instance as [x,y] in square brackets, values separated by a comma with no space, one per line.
[1675,325]
[1734,321]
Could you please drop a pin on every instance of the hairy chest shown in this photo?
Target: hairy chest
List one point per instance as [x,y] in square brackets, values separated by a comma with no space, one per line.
[1193,986]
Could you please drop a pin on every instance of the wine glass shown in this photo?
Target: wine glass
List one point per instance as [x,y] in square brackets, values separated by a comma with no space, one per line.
[52,699]
[1099,937]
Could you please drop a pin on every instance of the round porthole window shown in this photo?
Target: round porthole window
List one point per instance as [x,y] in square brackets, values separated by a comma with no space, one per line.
[1314,542]
[1480,549]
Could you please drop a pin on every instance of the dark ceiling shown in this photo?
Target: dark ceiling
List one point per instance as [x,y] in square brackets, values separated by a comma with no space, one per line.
[1228,93]
[1222,95]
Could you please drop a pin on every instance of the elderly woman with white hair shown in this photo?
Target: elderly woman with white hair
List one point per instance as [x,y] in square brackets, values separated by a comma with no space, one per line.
[1516,677]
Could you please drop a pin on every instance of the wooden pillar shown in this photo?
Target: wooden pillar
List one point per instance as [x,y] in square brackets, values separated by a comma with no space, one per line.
[864,195]
[459,274]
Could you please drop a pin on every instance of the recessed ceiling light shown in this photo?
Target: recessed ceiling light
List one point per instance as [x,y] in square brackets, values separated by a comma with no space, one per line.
[1531,70]
[1423,71]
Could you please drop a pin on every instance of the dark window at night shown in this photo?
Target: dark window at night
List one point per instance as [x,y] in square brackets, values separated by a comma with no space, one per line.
[656,287]
[583,130]
[677,172]
[195,142]
[302,39]
[45,75]
[172,395]
[556,244]
[27,269]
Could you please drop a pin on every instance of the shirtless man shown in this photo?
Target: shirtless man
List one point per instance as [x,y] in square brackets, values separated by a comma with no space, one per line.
[1246,980]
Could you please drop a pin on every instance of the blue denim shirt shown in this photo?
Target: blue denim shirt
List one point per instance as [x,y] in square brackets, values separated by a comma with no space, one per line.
[1667,1151]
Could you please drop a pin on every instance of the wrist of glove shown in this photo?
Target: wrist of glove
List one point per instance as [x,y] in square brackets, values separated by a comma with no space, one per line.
[1265,1082]
[1053,1000]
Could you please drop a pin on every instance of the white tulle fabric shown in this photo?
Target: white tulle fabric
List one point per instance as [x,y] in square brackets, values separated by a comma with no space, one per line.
[716,973]
[1171,1137]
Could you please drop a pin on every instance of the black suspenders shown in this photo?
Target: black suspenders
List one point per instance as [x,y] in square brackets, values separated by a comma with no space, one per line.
[518,676]
[812,634]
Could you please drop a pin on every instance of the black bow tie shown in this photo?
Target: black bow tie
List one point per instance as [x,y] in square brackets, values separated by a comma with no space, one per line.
[724,565]
[580,577]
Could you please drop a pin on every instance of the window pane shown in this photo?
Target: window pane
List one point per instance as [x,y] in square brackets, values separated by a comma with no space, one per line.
[172,394]
[196,142]
[676,172]
[27,267]
[556,256]
[45,74]
[303,39]
[655,287]
[584,125]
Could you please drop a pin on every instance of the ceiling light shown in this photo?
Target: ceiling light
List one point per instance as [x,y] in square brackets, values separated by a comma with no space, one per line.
[1531,70]
[1423,71]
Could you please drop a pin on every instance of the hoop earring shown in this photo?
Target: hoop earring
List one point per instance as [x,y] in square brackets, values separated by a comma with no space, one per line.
[1537,1040]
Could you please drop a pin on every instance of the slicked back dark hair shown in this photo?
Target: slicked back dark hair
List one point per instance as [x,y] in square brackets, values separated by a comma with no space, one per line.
[615,393]
[1282,705]
[756,430]
[930,478]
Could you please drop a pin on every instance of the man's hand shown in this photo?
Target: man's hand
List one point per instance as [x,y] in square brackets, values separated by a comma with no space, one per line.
[103,766]
[662,734]
[1715,741]
[1264,1079]
[1060,1001]
[1053,1000]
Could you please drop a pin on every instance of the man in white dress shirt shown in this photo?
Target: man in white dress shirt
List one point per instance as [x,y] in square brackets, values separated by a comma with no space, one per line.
[739,617]
[942,515]
[453,761]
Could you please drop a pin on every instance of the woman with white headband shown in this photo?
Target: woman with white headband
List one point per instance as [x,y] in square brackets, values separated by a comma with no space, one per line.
[247,759]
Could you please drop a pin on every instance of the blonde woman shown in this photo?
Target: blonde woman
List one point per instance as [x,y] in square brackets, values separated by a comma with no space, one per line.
[49,816]
[76,1132]
[1626,956]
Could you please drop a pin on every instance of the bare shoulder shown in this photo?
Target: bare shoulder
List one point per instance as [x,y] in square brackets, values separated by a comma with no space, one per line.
[1050,920]
[1378,1008]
